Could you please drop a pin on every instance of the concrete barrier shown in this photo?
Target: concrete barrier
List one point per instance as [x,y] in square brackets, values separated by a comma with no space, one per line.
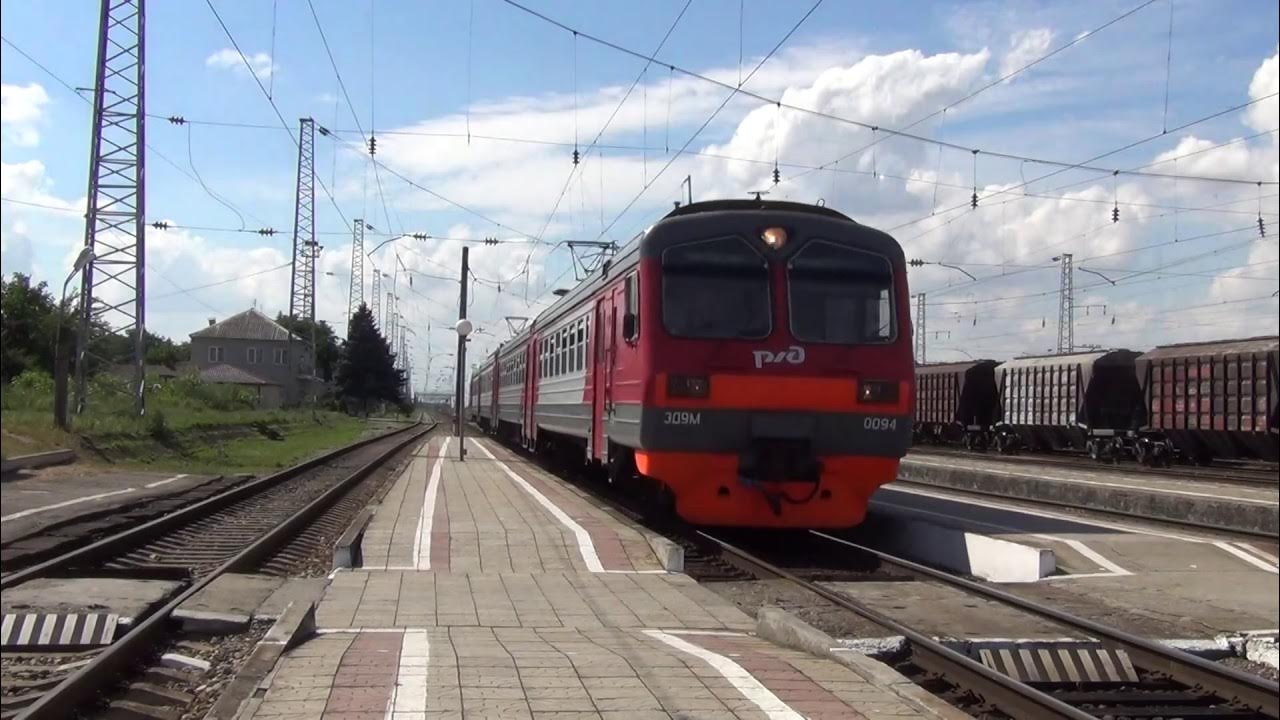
[959,550]
[1223,512]
[347,550]
[781,627]
[296,623]
[37,460]
[670,555]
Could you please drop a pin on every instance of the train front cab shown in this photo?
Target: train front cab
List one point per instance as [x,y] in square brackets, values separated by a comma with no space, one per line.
[778,389]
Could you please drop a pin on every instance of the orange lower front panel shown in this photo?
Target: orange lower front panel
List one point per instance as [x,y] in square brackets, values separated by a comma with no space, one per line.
[708,492]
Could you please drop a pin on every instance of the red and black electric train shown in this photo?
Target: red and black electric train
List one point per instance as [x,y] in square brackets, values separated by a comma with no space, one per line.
[747,361]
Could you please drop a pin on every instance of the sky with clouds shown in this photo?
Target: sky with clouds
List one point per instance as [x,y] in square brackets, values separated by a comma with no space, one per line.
[477,107]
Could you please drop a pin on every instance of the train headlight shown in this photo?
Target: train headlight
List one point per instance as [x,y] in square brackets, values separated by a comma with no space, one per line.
[774,237]
[690,386]
[878,391]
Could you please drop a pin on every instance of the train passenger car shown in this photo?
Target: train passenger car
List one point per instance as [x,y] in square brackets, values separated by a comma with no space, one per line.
[1088,401]
[746,363]
[483,393]
[957,402]
[1213,400]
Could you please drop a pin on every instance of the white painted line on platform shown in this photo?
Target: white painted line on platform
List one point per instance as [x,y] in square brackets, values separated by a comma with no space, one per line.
[410,692]
[1125,486]
[1254,561]
[166,481]
[422,542]
[1111,568]
[1051,515]
[716,633]
[65,503]
[1258,551]
[752,689]
[585,547]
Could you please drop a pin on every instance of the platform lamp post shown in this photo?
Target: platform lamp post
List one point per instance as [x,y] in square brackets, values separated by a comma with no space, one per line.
[464,329]
[59,366]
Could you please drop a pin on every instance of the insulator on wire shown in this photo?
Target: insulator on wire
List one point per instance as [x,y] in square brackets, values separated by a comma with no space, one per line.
[373,145]
[1262,227]
[777,176]
[576,156]
[1115,214]
[973,199]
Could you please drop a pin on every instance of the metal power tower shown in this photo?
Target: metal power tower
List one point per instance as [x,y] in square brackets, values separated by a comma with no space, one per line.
[920,329]
[112,282]
[302,288]
[1066,306]
[356,297]
[389,324]
[375,296]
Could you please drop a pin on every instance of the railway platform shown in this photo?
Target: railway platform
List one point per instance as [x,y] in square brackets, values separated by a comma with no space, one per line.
[491,589]
[1204,498]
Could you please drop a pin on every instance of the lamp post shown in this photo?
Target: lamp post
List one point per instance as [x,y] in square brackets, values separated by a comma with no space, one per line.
[464,329]
[59,366]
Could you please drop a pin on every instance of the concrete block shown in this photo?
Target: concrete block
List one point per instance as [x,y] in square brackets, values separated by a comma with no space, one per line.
[347,550]
[971,553]
[670,555]
[294,590]
[184,662]
[232,594]
[1262,649]
[779,626]
[153,694]
[212,623]
[879,647]
[296,623]
[37,460]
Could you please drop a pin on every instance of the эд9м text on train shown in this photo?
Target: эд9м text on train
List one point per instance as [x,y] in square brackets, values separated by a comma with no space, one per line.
[743,362]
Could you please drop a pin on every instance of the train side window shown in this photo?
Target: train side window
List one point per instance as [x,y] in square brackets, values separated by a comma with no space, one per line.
[582,343]
[631,318]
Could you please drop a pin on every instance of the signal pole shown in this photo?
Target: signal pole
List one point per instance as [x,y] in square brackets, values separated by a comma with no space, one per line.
[920,329]
[302,286]
[464,329]
[113,281]
[1066,306]
[355,297]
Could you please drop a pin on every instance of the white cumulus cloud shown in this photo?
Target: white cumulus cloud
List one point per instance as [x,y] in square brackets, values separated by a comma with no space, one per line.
[1024,47]
[21,108]
[228,59]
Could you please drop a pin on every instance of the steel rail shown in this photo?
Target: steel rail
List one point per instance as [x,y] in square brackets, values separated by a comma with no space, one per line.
[1251,690]
[1004,692]
[139,534]
[87,683]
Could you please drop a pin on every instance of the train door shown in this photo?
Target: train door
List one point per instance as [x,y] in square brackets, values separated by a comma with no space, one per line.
[526,390]
[599,372]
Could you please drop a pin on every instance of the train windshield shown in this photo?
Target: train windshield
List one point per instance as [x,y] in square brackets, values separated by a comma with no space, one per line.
[715,288]
[840,294]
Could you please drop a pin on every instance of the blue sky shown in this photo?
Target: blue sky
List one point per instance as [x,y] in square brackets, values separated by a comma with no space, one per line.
[412,67]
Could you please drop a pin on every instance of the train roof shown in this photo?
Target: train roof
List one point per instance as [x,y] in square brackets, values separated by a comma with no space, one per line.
[1243,346]
[949,367]
[755,204]
[1082,358]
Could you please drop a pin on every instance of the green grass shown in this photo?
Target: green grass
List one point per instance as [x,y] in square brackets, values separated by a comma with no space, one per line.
[188,427]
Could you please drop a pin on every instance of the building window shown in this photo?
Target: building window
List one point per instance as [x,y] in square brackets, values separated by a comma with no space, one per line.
[253,356]
[280,356]
[215,353]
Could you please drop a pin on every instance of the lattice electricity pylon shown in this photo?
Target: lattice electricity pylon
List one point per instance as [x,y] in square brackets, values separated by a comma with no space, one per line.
[921,332]
[389,325]
[112,310]
[302,288]
[375,297]
[356,296]
[1066,306]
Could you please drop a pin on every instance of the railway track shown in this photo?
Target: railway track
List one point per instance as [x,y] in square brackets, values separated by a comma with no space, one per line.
[1248,475]
[275,523]
[1166,683]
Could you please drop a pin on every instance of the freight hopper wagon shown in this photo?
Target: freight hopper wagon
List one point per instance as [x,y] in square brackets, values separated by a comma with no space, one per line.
[1211,400]
[1090,401]
[958,402]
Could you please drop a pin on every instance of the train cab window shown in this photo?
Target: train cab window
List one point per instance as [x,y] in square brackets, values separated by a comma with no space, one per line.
[716,288]
[839,294]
